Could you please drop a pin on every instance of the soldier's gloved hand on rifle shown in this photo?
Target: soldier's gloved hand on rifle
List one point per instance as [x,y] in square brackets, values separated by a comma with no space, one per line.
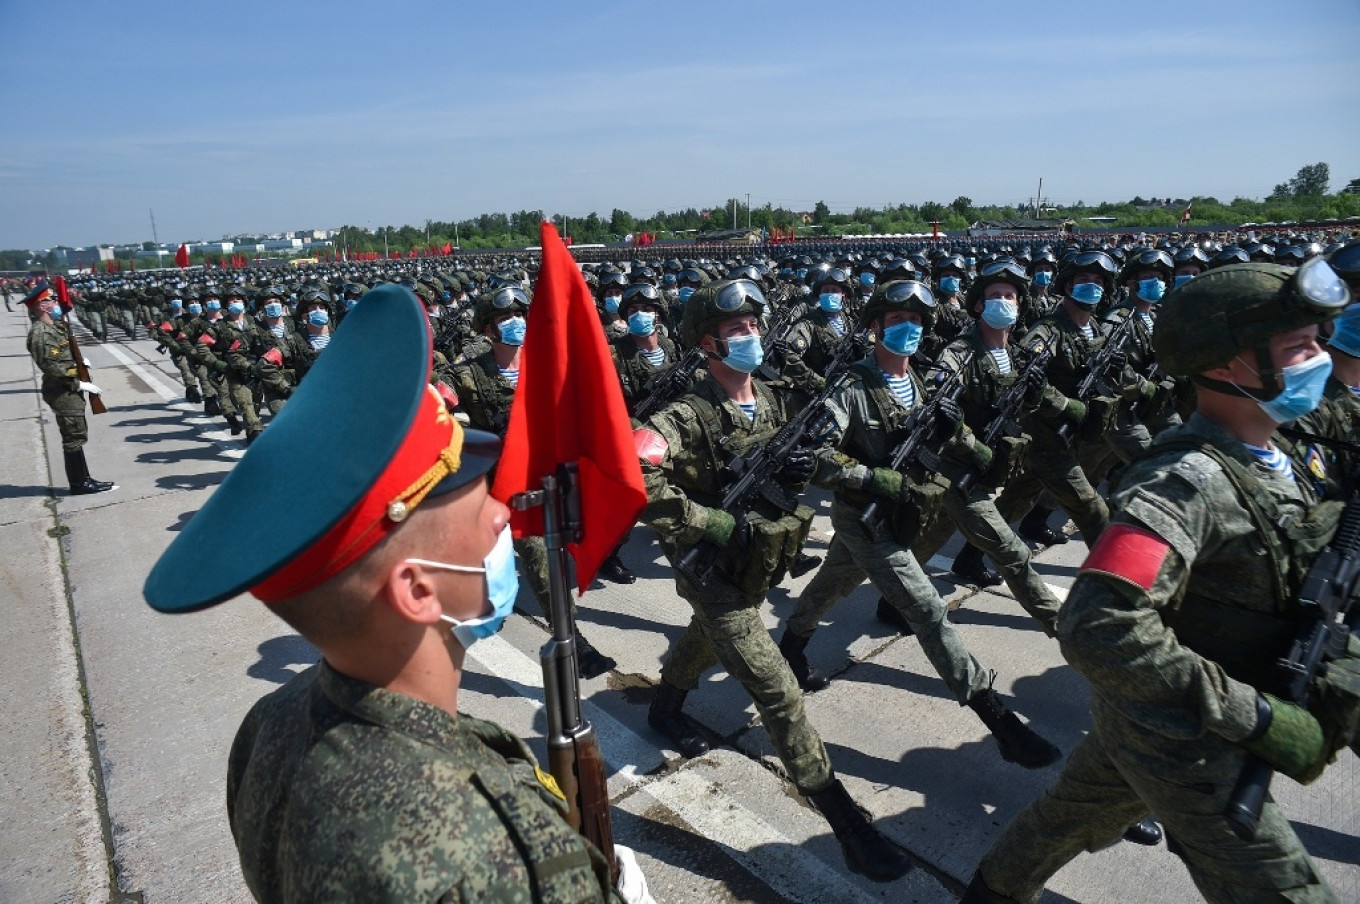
[1035,384]
[799,466]
[1115,363]
[948,416]
[1289,738]
[1137,389]
[632,884]
[724,530]
[82,386]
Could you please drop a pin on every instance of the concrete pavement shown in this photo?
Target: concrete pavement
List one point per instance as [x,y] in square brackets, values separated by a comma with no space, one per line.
[119,719]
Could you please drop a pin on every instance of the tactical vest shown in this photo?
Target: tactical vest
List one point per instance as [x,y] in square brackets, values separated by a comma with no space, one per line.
[1226,614]
[1071,349]
[494,395]
[776,536]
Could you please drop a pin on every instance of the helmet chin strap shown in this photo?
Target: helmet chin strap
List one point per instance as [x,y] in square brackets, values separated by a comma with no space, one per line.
[1265,370]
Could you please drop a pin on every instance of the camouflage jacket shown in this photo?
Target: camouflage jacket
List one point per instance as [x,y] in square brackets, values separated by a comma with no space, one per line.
[1186,599]
[484,395]
[340,791]
[51,350]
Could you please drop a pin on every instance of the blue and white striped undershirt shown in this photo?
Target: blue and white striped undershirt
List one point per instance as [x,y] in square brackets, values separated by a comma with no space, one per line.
[1002,359]
[1274,458]
[837,324]
[1147,320]
[1089,331]
[277,330]
[902,389]
[748,409]
[511,375]
[320,341]
[655,357]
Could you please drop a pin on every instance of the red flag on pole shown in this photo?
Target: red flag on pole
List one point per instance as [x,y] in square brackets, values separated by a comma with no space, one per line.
[1185,217]
[569,407]
[182,256]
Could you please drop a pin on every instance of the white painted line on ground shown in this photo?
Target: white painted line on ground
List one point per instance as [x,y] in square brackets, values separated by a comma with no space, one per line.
[143,373]
[762,850]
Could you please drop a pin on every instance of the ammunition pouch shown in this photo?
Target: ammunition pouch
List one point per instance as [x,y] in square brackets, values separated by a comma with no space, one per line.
[772,549]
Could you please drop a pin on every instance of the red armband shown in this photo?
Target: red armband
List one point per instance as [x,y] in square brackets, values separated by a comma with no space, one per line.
[207,339]
[447,394]
[1131,554]
[650,445]
[274,357]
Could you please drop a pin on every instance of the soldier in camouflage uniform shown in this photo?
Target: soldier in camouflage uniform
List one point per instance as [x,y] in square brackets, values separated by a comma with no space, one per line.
[1060,466]
[682,448]
[485,387]
[285,355]
[1187,600]
[870,412]
[360,780]
[231,348]
[62,389]
[164,332]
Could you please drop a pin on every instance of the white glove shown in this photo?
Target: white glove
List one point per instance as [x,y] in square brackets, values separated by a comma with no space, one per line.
[632,885]
[92,389]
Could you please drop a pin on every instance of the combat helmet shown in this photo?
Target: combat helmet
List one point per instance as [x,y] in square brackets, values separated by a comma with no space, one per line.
[1000,270]
[1235,308]
[901,295]
[498,301]
[716,302]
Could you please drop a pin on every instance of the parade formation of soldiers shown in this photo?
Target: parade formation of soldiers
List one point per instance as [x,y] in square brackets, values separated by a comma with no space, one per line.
[972,386]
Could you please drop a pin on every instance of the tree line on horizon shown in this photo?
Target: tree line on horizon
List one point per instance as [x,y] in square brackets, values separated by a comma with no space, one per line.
[1303,198]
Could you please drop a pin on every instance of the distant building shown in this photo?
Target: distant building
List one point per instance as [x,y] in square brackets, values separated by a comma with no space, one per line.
[83,258]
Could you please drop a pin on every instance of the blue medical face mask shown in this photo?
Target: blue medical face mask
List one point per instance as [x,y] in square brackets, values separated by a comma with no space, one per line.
[744,353]
[214,306]
[1000,314]
[903,338]
[1182,280]
[350,303]
[611,303]
[236,308]
[318,318]
[1303,387]
[273,309]
[831,302]
[512,330]
[684,292]
[642,323]
[1151,290]
[1088,294]
[950,285]
[866,280]
[176,306]
[195,309]
[1043,278]
[54,312]
[502,586]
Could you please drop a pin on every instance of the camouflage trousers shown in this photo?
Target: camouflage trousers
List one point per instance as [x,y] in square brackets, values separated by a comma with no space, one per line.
[94,321]
[68,408]
[1051,466]
[726,628]
[977,518]
[1117,775]
[896,574]
[244,401]
[533,565]
[208,380]
[186,370]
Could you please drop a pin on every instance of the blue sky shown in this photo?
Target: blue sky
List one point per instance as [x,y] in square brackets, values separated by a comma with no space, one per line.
[259,117]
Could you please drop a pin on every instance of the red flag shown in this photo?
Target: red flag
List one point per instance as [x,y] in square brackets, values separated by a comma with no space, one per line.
[182,256]
[1185,217]
[569,407]
[448,247]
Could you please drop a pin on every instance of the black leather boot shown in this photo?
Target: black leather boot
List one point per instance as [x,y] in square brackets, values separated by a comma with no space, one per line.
[590,662]
[888,614]
[210,406]
[793,647]
[613,569]
[665,716]
[78,475]
[1034,527]
[1017,742]
[234,423]
[867,850]
[972,568]
[1145,831]
[979,893]
[804,563]
[192,394]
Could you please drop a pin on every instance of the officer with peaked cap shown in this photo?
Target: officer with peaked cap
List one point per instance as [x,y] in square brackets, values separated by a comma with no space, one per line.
[62,390]
[397,562]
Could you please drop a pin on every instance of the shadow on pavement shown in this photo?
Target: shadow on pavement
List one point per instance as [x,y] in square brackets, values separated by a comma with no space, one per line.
[8,491]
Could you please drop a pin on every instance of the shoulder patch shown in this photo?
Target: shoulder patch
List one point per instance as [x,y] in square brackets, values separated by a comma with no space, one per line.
[650,445]
[1128,553]
[547,781]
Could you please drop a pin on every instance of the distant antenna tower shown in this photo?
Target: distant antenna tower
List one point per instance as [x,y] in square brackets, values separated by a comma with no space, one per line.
[155,239]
